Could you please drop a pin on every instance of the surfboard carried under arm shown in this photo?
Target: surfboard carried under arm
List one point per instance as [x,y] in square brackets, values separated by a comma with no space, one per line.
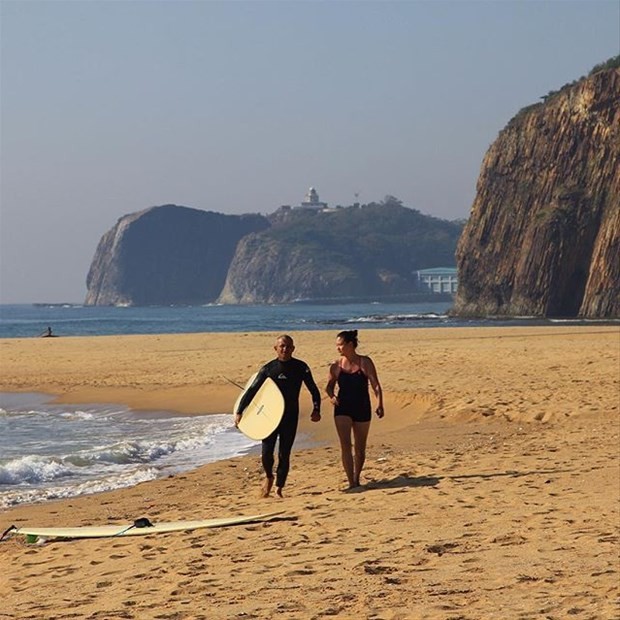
[262,416]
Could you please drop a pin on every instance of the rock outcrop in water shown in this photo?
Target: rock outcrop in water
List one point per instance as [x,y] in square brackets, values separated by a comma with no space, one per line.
[166,255]
[543,238]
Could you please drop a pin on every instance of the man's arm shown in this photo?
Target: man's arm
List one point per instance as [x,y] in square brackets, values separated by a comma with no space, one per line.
[314,393]
[261,375]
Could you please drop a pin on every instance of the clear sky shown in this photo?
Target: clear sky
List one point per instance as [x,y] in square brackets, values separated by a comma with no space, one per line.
[110,107]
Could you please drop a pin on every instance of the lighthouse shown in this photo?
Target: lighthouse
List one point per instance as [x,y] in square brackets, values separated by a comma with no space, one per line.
[311,201]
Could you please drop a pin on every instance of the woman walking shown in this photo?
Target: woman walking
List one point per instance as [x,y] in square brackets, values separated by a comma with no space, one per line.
[352,409]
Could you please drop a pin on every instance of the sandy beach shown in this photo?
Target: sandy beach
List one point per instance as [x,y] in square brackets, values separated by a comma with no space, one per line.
[491,488]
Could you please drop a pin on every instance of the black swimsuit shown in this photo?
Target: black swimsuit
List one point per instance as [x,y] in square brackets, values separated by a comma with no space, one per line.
[353,396]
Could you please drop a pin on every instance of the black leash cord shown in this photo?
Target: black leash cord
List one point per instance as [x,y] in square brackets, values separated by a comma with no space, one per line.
[10,529]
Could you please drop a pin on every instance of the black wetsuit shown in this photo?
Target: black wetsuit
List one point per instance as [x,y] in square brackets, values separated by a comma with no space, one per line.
[288,376]
[353,396]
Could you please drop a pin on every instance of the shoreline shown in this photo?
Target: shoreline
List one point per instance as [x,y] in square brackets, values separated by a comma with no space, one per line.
[491,488]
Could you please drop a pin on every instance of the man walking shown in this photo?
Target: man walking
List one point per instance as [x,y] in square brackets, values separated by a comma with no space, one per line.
[288,373]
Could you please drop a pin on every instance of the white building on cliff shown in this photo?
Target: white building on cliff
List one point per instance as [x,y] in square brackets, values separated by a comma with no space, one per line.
[311,201]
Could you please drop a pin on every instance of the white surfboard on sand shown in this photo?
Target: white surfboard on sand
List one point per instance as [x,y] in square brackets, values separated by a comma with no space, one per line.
[129,529]
[262,416]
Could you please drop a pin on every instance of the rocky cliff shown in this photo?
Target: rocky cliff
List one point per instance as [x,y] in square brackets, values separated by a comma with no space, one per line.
[176,255]
[166,255]
[543,237]
[353,252]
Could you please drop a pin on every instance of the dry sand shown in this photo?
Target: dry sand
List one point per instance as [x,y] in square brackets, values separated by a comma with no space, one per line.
[491,488]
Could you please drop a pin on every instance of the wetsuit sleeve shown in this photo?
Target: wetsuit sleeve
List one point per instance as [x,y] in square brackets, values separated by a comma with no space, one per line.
[312,388]
[251,391]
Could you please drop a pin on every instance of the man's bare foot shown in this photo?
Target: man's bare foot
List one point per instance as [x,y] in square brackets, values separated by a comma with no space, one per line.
[279,492]
[266,488]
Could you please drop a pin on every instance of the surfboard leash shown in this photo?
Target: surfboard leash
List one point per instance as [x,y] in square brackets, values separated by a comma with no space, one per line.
[141,522]
[10,529]
[233,382]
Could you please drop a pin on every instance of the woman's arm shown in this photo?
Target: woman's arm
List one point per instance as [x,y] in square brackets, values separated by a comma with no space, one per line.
[368,367]
[334,368]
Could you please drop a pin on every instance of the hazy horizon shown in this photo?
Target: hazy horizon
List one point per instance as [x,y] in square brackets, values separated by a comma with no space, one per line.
[110,107]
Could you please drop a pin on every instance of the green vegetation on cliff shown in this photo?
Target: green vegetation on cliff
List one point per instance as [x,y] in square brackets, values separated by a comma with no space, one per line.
[388,233]
[612,63]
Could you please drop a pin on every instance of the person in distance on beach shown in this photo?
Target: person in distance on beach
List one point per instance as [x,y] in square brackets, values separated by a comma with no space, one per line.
[352,410]
[288,373]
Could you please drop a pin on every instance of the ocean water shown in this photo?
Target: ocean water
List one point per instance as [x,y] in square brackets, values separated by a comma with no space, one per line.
[52,451]
[26,321]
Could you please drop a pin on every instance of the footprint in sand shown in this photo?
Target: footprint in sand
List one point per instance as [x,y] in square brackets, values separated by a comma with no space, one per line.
[509,539]
[441,548]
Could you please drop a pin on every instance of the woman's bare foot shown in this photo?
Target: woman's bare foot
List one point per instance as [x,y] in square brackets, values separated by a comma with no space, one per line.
[279,492]
[266,488]
[353,488]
